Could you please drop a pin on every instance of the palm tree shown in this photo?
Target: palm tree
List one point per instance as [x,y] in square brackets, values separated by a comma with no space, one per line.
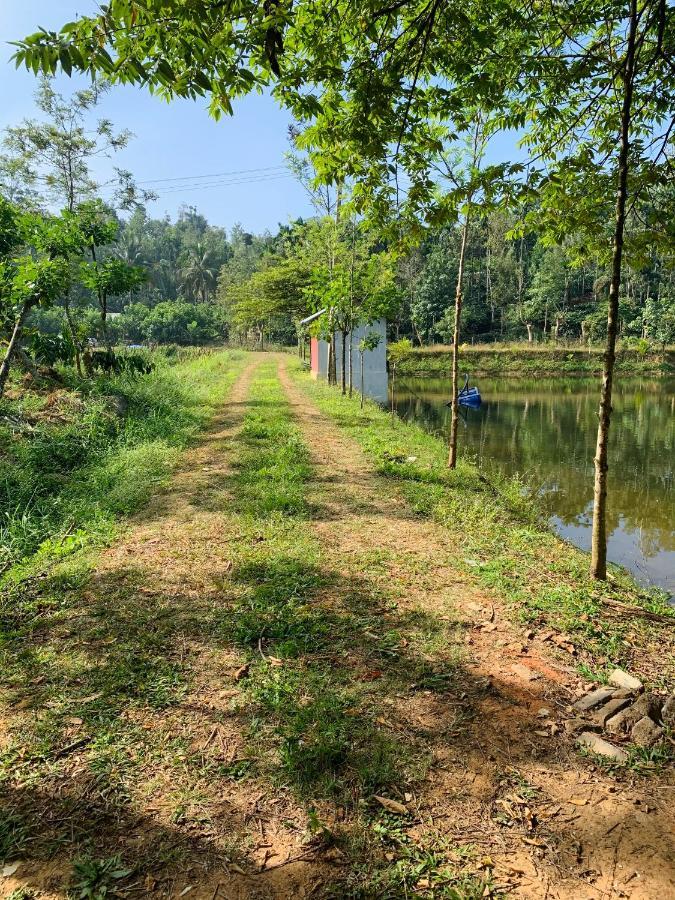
[199,276]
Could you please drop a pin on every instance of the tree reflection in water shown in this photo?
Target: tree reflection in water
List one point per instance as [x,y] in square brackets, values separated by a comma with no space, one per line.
[545,430]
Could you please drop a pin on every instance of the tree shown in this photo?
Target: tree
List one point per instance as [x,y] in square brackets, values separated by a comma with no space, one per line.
[48,162]
[199,275]
[105,277]
[54,154]
[34,270]
[462,169]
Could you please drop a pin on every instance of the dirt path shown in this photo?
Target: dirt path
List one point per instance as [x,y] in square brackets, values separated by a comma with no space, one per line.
[165,755]
[552,824]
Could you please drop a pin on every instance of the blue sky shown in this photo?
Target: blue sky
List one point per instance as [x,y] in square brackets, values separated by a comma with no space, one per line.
[171,140]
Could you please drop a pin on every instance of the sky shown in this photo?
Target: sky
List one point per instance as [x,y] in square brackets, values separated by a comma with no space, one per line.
[171,140]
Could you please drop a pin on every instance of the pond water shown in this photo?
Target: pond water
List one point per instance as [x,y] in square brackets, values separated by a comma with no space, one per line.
[545,430]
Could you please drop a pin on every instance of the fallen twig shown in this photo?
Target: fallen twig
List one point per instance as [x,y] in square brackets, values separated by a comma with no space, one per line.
[629,609]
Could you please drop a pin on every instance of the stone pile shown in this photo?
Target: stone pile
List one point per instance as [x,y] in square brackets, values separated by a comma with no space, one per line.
[623,711]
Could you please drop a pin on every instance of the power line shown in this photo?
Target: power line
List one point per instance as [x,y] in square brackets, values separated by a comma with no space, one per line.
[220,184]
[215,175]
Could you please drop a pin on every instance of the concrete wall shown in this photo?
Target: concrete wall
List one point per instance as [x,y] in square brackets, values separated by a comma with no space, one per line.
[375,379]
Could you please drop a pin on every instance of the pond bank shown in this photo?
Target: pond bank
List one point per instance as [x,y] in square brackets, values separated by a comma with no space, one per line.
[543,431]
[542,361]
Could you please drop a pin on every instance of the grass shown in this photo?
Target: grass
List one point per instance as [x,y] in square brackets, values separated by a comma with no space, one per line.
[505,545]
[71,466]
[502,359]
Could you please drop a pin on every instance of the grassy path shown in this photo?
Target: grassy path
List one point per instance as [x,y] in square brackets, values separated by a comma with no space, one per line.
[280,684]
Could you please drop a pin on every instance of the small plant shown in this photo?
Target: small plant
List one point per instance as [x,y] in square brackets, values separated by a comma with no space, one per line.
[93,878]
[13,837]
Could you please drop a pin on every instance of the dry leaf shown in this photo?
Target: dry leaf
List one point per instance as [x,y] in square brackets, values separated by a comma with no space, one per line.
[241,672]
[371,676]
[577,801]
[533,843]
[8,871]
[237,869]
[392,806]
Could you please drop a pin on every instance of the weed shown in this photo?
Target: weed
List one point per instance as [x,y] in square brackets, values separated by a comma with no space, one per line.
[93,879]
[13,836]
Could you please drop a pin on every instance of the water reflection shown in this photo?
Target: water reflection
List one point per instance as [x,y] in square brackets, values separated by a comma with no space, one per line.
[545,430]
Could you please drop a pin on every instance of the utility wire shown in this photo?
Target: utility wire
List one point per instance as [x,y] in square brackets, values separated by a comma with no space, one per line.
[215,175]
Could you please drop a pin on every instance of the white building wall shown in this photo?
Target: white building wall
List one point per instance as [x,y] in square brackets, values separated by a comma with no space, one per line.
[375,379]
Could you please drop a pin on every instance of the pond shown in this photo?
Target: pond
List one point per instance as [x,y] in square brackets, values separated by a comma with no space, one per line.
[545,431]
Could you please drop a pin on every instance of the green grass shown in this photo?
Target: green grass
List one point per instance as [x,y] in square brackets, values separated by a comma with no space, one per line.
[71,467]
[534,361]
[504,544]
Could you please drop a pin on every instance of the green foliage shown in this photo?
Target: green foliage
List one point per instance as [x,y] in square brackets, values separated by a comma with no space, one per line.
[93,879]
[370,341]
[399,350]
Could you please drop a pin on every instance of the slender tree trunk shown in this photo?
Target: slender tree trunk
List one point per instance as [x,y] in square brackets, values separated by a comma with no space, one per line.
[13,345]
[351,363]
[454,419]
[393,392]
[332,373]
[73,333]
[599,533]
[361,361]
[343,374]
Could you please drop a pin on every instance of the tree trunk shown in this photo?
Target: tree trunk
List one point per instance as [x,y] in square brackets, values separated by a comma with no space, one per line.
[361,355]
[393,392]
[73,334]
[351,363]
[343,374]
[599,532]
[13,345]
[454,420]
[529,332]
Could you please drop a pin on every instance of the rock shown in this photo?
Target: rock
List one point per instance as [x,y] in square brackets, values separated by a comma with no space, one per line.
[646,733]
[572,726]
[622,679]
[622,693]
[668,711]
[596,744]
[646,705]
[614,706]
[595,698]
